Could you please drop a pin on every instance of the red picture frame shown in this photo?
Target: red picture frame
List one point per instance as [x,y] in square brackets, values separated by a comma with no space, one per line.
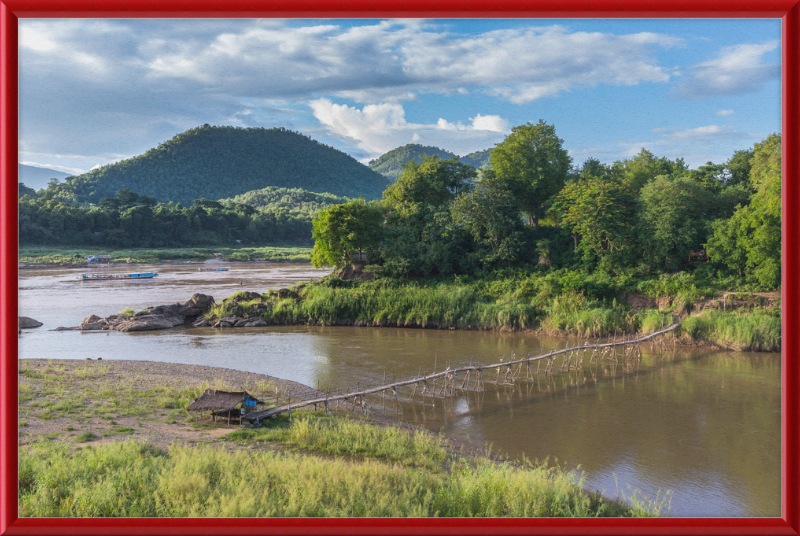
[787,10]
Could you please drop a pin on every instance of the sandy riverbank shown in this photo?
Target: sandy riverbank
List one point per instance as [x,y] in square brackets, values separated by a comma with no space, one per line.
[62,399]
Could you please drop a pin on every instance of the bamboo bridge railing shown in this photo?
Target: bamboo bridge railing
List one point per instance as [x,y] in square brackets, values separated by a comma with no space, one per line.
[450,376]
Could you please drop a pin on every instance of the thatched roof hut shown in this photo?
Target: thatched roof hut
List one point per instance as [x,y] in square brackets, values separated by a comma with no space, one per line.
[224,401]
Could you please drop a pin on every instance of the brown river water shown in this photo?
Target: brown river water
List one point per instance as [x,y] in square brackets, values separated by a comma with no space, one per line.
[703,424]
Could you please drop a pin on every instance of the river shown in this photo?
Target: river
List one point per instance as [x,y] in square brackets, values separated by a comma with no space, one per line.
[704,424]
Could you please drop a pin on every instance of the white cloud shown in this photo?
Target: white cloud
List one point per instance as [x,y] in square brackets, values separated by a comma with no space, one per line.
[378,128]
[724,112]
[395,60]
[735,71]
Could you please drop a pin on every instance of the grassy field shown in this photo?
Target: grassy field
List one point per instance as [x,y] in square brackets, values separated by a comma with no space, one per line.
[99,464]
[77,255]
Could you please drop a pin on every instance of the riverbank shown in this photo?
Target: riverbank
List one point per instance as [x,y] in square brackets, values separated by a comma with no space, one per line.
[736,321]
[69,257]
[127,421]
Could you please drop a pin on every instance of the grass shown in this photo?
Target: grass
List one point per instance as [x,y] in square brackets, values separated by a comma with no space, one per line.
[755,331]
[85,436]
[77,255]
[131,479]
[340,436]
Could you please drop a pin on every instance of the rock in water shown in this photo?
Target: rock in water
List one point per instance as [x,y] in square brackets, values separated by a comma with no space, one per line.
[27,323]
[200,301]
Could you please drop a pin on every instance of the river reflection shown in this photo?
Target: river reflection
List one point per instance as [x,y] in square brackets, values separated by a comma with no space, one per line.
[703,424]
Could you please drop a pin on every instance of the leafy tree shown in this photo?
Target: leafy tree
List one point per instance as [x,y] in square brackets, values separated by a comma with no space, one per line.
[597,212]
[432,183]
[738,168]
[24,190]
[533,161]
[756,228]
[670,226]
[592,167]
[490,215]
[342,230]
[643,168]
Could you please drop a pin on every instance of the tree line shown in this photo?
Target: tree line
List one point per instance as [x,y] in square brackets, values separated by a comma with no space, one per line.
[130,220]
[533,209]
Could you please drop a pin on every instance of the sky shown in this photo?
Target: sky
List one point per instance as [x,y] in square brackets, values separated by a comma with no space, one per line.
[96,91]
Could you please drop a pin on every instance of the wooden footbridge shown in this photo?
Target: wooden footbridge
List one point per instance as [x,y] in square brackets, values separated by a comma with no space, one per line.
[468,375]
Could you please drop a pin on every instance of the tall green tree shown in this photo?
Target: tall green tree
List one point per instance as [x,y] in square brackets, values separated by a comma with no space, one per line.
[490,214]
[340,231]
[533,161]
[755,229]
[598,214]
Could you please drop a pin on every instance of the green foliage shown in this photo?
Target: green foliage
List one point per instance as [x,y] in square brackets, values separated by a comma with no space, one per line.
[598,213]
[636,172]
[750,241]
[755,331]
[534,163]
[217,162]
[131,479]
[296,201]
[339,436]
[24,190]
[490,215]
[118,224]
[341,231]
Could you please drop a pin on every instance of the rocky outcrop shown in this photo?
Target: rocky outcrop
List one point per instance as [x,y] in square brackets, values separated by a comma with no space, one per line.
[152,318]
[28,323]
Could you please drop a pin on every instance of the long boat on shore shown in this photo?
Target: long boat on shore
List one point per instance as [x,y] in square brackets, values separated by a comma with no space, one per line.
[117,277]
[214,269]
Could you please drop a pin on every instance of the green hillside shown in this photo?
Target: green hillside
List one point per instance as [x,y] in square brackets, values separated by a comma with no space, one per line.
[218,162]
[390,165]
[290,199]
[478,159]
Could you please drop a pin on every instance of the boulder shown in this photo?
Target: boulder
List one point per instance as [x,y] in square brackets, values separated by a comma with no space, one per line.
[93,326]
[149,323]
[91,320]
[255,323]
[223,325]
[200,301]
[190,312]
[201,323]
[27,323]
[230,319]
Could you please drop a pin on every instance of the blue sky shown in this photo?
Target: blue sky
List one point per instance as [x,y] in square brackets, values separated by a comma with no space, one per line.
[95,91]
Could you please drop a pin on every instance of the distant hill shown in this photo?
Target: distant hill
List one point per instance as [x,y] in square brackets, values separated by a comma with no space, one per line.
[479,159]
[291,199]
[390,165]
[38,177]
[220,162]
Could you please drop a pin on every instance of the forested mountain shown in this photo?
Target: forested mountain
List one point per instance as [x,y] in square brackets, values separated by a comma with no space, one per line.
[216,162]
[290,199]
[38,177]
[390,165]
[478,159]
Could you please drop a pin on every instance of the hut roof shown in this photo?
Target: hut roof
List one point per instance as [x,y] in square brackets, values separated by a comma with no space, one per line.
[220,400]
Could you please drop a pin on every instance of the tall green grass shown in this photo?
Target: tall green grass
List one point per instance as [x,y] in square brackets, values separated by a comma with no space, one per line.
[343,437]
[129,479]
[755,331]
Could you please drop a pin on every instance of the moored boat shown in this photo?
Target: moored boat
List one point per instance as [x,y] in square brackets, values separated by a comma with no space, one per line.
[117,277]
[214,269]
